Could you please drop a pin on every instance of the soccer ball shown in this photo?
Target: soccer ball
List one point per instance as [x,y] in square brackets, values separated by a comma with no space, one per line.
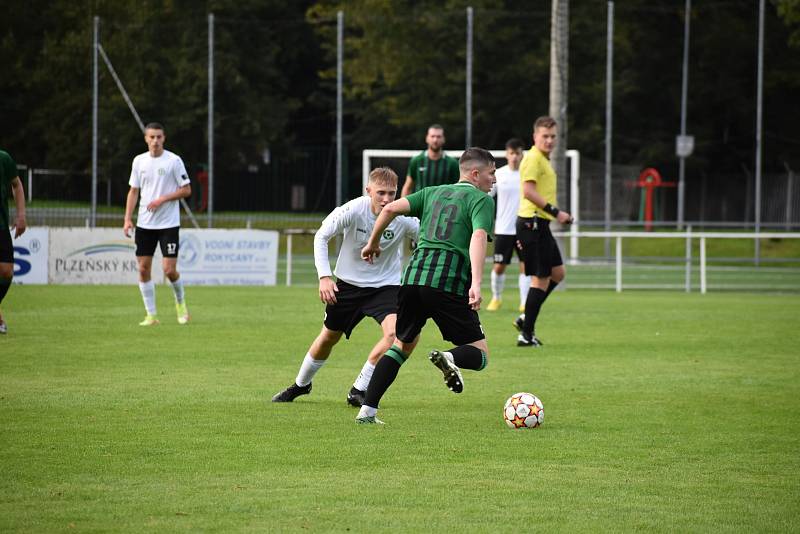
[523,410]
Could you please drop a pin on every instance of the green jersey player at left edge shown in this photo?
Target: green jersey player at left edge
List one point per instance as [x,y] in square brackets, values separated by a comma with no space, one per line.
[9,181]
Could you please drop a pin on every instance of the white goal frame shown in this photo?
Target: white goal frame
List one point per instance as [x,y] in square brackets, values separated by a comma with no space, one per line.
[573,156]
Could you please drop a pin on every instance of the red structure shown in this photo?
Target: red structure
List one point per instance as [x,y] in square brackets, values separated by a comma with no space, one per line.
[648,180]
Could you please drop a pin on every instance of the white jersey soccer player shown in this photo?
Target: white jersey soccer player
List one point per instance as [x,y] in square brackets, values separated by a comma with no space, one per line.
[354,220]
[156,177]
[158,181]
[507,193]
[361,289]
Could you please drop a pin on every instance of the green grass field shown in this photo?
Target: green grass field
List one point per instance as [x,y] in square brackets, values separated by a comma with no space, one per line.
[664,412]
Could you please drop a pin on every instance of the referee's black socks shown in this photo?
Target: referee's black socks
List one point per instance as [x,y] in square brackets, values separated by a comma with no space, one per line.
[551,287]
[533,304]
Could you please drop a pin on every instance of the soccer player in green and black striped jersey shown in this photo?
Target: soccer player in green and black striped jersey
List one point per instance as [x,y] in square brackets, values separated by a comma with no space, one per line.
[431,166]
[443,279]
[9,182]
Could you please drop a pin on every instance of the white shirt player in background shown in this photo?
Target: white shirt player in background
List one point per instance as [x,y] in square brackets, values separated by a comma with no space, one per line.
[159,177]
[360,289]
[506,193]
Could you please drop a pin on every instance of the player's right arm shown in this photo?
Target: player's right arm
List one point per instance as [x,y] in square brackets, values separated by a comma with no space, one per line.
[335,223]
[388,214]
[130,203]
[19,202]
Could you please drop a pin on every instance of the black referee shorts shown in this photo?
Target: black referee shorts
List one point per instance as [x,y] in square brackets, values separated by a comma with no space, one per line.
[538,246]
[6,246]
[353,303]
[457,322]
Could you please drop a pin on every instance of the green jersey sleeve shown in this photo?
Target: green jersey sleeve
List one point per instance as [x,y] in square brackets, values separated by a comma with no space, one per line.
[483,214]
[417,203]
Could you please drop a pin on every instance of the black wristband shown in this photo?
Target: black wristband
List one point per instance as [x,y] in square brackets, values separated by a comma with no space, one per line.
[552,210]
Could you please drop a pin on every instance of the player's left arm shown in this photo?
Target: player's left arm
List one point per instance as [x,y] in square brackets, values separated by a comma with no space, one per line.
[19,200]
[482,218]
[388,213]
[184,186]
[477,257]
[531,193]
[182,192]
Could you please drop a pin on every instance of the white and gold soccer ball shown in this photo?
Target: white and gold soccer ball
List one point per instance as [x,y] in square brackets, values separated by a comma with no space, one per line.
[523,410]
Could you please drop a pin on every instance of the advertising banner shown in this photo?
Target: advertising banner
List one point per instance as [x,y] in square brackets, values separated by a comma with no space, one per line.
[95,256]
[206,257]
[30,256]
[228,257]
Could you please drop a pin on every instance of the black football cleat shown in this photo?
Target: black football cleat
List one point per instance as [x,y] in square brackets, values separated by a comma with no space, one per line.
[519,322]
[356,397]
[452,374]
[291,393]
[523,341]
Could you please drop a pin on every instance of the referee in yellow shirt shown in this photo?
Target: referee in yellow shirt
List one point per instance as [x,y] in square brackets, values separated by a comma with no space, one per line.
[536,209]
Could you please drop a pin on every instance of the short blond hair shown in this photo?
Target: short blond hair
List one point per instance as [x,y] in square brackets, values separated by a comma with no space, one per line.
[383,176]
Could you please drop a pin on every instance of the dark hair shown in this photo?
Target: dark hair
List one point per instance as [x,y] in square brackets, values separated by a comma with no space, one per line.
[436,126]
[475,157]
[515,143]
[544,122]
[154,126]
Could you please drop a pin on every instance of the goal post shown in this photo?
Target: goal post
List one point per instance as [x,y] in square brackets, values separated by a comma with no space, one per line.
[371,154]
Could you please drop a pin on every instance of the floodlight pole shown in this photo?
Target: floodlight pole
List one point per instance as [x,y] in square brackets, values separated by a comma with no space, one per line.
[339,103]
[468,129]
[759,123]
[684,97]
[609,117]
[559,69]
[210,205]
[95,41]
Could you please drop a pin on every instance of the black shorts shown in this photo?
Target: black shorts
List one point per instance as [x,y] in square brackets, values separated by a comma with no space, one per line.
[504,247]
[353,303]
[538,246]
[6,246]
[457,322]
[168,238]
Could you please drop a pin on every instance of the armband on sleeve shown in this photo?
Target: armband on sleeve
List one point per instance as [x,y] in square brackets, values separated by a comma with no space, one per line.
[552,210]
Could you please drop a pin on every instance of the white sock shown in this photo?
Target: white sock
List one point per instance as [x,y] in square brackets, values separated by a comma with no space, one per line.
[148,290]
[524,285]
[498,283]
[362,382]
[308,369]
[177,288]
[367,411]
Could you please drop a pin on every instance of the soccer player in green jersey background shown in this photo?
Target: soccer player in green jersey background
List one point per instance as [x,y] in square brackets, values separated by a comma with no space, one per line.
[9,181]
[443,279]
[431,166]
